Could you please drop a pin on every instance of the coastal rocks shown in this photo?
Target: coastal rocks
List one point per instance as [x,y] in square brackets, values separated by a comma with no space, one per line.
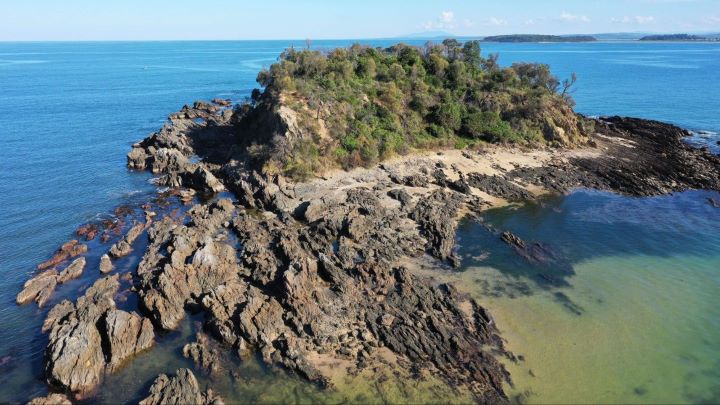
[185,261]
[181,389]
[91,337]
[126,335]
[74,356]
[435,216]
[67,251]
[89,231]
[73,271]
[124,246]
[38,288]
[498,186]
[106,265]
[203,354]
[51,399]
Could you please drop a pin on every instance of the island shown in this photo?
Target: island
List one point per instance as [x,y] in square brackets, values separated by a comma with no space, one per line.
[295,226]
[539,38]
[675,37]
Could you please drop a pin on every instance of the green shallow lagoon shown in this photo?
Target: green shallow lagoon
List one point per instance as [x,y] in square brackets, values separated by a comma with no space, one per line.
[628,312]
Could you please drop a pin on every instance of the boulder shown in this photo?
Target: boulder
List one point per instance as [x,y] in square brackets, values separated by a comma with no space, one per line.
[106,265]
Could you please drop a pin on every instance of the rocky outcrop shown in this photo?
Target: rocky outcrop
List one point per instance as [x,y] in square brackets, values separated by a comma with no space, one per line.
[73,271]
[38,288]
[67,251]
[87,334]
[181,389]
[74,356]
[183,262]
[124,246]
[126,335]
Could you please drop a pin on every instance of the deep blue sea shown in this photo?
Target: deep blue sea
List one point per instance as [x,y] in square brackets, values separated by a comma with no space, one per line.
[69,113]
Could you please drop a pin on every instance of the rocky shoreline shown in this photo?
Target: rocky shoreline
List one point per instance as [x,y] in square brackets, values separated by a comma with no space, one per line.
[318,271]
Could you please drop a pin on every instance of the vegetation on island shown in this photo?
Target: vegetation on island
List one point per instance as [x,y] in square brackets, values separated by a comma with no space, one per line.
[674,37]
[356,106]
[539,38]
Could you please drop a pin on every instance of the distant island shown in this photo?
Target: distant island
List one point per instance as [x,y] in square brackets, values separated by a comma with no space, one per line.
[676,37]
[539,38]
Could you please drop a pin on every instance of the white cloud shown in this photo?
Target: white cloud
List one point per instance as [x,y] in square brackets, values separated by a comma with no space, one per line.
[568,17]
[713,19]
[496,21]
[638,19]
[446,20]
[468,23]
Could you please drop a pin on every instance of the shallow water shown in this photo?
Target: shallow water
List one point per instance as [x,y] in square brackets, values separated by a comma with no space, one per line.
[69,113]
[631,313]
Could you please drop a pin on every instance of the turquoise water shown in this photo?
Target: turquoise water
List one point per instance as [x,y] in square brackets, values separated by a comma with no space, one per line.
[70,111]
[628,311]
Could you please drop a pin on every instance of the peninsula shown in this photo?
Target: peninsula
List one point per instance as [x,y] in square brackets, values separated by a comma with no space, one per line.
[293,224]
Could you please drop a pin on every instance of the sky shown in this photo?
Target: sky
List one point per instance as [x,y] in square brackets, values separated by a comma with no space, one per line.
[37,20]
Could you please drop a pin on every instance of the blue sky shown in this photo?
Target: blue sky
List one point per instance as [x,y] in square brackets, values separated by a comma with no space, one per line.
[318,19]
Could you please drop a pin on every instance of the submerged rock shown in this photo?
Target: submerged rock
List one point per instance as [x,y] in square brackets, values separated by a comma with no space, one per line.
[38,288]
[51,399]
[68,250]
[124,246]
[181,389]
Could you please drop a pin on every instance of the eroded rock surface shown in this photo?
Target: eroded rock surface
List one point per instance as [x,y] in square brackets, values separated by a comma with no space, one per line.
[86,335]
[51,399]
[180,389]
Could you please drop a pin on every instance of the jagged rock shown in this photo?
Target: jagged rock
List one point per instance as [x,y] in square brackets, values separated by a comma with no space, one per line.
[73,271]
[106,265]
[126,335]
[89,231]
[201,352]
[74,358]
[435,216]
[184,261]
[124,246]
[67,251]
[51,399]
[38,288]
[498,186]
[181,389]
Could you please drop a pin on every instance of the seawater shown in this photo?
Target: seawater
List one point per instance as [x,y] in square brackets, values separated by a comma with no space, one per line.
[69,113]
[627,313]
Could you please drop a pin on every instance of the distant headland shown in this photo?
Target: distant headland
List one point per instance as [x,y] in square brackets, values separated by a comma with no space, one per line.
[677,37]
[539,38]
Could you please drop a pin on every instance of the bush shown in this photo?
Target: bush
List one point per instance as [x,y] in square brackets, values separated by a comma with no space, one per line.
[378,102]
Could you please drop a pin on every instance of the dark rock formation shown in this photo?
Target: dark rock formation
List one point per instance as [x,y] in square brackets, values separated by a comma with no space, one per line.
[181,389]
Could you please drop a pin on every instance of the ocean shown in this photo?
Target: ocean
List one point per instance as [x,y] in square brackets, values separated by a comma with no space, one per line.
[69,113]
